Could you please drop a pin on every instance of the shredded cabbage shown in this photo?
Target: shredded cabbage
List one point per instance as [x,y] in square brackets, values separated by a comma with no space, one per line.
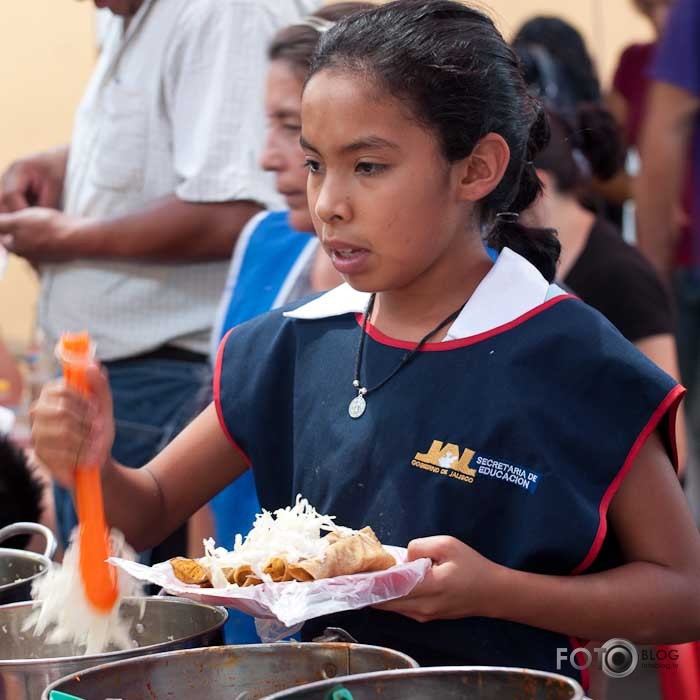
[66,613]
[295,533]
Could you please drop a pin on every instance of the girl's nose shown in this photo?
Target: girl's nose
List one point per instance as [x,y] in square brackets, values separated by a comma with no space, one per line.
[332,204]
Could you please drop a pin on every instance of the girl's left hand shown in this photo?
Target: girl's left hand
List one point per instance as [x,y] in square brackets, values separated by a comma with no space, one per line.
[458,584]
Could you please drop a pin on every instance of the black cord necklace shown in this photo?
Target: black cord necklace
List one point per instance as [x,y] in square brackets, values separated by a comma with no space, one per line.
[359,403]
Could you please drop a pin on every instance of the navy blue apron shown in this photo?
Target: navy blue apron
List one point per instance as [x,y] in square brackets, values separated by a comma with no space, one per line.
[512,441]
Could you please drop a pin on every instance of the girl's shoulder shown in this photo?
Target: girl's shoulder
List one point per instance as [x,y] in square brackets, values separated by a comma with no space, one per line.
[576,335]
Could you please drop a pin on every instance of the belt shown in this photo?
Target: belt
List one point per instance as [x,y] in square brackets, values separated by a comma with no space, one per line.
[164,352]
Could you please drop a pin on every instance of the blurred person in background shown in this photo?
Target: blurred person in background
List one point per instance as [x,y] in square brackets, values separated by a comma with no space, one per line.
[627,97]
[560,72]
[670,143]
[627,101]
[669,147]
[557,65]
[132,222]
[277,258]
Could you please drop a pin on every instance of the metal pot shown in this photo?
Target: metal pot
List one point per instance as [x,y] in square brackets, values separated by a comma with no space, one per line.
[448,683]
[19,568]
[244,672]
[28,664]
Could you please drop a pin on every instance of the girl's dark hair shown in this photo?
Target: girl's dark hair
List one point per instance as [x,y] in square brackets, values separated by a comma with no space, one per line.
[448,64]
[578,81]
[20,492]
[296,43]
[589,145]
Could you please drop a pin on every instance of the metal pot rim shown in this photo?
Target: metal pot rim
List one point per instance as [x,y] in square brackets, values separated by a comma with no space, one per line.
[235,648]
[23,554]
[432,670]
[56,660]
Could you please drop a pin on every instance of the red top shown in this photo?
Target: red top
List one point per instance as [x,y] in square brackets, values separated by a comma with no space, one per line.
[632,80]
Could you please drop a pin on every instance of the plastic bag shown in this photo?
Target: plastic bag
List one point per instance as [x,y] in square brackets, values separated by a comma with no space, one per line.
[281,606]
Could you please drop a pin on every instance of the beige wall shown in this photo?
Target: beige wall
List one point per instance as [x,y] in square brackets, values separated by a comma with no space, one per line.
[47,49]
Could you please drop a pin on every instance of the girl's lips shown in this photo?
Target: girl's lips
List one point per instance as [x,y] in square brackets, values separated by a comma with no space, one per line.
[349,261]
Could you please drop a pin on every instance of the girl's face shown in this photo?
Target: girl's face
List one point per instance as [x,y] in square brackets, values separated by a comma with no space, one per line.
[382,197]
[282,153]
[656,11]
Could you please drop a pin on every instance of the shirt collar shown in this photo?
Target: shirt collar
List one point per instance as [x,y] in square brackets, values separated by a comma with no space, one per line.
[511,288]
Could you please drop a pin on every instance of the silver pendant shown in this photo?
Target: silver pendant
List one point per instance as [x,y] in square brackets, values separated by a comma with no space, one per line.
[357,406]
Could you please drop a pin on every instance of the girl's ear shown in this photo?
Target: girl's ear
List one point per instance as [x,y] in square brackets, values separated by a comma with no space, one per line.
[482,171]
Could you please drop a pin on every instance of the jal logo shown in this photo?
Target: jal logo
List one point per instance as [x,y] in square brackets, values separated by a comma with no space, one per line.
[448,460]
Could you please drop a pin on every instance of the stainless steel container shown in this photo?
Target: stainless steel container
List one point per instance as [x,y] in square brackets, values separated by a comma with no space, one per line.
[244,672]
[19,568]
[449,683]
[28,664]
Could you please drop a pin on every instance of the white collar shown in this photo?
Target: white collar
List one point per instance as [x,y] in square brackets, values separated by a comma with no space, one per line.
[511,288]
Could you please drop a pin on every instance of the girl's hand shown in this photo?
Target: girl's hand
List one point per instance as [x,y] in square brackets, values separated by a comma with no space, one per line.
[459,583]
[68,429]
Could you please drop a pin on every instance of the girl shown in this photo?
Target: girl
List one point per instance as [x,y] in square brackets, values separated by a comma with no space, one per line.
[276,259]
[457,406]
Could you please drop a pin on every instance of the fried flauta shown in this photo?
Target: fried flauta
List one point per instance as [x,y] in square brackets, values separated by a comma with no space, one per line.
[190,571]
[278,570]
[347,555]
[351,554]
[241,574]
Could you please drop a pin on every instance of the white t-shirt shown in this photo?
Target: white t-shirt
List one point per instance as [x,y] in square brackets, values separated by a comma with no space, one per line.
[175,105]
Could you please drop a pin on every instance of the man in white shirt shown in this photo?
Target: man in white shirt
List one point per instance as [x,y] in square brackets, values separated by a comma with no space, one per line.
[133,223]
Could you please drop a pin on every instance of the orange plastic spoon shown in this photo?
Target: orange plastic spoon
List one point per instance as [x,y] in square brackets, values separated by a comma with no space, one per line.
[75,352]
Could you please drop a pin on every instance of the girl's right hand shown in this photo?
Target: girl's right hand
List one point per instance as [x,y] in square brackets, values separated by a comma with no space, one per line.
[69,429]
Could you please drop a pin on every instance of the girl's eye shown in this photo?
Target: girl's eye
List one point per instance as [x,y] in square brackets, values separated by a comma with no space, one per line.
[370,168]
[294,128]
[313,165]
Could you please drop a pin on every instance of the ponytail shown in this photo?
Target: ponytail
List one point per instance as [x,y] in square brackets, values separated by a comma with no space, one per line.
[540,246]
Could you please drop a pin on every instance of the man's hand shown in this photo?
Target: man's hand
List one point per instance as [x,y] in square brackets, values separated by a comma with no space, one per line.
[39,234]
[34,181]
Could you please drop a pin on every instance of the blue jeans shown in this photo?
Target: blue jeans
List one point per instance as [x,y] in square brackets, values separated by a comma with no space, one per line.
[154,399]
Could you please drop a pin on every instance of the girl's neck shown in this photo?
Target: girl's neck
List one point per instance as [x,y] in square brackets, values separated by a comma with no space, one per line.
[411,312]
[573,224]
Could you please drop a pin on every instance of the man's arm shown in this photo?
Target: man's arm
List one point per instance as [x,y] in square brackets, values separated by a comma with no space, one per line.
[665,145]
[169,229]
